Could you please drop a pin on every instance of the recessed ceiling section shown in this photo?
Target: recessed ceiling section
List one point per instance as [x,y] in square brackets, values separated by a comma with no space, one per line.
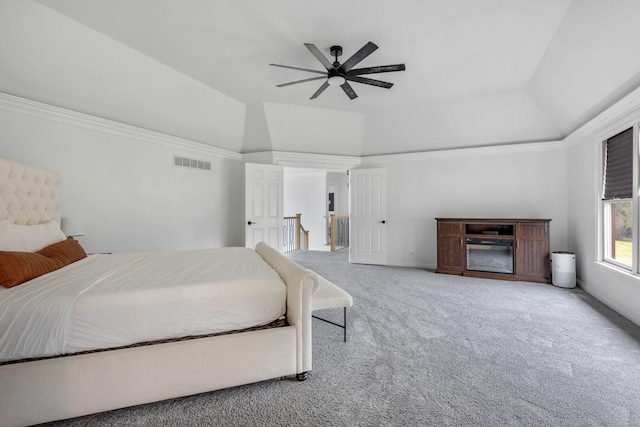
[462,123]
[50,58]
[477,71]
[591,62]
[452,49]
[314,130]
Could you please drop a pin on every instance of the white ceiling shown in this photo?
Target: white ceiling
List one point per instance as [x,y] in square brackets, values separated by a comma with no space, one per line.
[479,72]
[452,49]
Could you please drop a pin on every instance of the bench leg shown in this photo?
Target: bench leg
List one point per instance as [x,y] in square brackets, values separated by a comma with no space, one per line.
[343,326]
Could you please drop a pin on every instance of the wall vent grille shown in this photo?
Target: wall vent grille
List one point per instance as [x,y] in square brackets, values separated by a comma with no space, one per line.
[191,163]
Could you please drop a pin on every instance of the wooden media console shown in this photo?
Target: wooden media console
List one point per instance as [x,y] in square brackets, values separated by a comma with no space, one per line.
[494,248]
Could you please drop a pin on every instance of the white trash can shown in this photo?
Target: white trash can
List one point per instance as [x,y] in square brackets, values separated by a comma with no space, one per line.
[563,269]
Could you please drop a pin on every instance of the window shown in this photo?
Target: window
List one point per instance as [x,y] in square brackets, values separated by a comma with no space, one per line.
[619,189]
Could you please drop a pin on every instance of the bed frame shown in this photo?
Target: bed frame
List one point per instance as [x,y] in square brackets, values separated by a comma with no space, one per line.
[65,387]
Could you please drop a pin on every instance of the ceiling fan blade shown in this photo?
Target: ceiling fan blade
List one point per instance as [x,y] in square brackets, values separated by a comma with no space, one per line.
[319,56]
[346,87]
[365,51]
[301,81]
[319,91]
[298,68]
[378,69]
[371,82]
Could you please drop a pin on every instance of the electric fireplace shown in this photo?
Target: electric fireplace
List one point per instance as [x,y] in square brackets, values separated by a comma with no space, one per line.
[492,255]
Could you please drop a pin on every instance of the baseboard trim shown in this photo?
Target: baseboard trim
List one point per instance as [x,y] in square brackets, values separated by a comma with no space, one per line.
[634,317]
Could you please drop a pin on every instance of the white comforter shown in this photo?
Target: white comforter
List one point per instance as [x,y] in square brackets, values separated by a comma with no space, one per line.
[106,301]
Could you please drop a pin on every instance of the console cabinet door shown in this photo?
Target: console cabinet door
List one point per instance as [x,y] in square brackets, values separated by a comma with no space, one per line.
[450,248]
[532,252]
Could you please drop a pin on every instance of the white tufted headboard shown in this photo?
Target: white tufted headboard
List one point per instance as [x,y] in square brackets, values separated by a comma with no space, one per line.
[28,194]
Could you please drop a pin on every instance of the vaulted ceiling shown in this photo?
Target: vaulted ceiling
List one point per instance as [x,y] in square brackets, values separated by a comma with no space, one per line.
[479,72]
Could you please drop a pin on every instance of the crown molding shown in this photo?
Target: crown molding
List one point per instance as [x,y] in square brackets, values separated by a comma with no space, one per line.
[291,159]
[20,105]
[303,160]
[262,157]
[465,152]
[621,113]
[334,162]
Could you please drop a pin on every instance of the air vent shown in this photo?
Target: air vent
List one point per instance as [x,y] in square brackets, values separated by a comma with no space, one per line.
[191,163]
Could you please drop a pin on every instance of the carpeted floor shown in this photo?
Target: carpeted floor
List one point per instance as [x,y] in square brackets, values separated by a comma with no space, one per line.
[434,350]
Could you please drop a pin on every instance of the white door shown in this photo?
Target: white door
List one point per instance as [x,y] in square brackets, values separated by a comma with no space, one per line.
[264,205]
[368,216]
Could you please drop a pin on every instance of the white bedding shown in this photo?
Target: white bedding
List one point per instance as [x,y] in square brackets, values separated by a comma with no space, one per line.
[107,301]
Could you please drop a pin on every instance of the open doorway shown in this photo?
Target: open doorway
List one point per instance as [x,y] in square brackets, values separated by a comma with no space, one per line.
[312,193]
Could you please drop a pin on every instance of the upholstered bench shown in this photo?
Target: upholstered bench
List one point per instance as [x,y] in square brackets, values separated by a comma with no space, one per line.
[329,295]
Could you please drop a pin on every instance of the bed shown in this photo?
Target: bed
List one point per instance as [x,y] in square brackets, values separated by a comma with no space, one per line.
[97,369]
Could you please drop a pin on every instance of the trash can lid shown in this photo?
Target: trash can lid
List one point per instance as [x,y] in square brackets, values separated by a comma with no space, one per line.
[563,252]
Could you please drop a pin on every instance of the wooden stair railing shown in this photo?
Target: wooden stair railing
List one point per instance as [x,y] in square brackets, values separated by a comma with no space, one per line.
[305,233]
[294,232]
[339,232]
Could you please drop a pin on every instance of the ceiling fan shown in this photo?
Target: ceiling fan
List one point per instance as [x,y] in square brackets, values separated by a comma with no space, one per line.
[341,74]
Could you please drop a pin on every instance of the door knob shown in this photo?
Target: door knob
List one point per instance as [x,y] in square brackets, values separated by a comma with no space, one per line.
[249,222]
[382,222]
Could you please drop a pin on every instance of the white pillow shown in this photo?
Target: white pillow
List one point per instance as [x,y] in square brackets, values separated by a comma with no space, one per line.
[29,238]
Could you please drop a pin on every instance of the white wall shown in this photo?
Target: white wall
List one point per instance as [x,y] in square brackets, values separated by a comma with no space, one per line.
[124,188]
[305,193]
[121,184]
[617,289]
[518,181]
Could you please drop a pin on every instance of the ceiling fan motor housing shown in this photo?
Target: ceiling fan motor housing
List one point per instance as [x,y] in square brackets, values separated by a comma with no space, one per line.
[335,72]
[336,77]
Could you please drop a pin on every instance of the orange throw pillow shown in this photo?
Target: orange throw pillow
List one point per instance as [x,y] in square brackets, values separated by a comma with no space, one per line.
[67,251]
[18,267]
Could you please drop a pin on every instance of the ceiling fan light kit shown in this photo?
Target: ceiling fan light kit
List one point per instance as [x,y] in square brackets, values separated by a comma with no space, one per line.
[336,80]
[337,74]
